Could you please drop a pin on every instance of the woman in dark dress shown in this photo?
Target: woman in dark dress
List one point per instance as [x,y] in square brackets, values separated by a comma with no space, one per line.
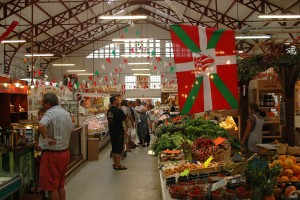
[143,129]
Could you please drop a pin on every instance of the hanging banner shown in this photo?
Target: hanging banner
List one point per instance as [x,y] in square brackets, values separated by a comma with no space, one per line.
[206,68]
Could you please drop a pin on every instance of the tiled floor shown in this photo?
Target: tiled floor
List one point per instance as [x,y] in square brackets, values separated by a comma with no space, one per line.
[98,180]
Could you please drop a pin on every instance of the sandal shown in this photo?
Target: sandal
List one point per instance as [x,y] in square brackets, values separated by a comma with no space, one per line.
[120,168]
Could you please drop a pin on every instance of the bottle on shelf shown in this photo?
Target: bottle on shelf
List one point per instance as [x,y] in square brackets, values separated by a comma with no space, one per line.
[261,100]
[266,100]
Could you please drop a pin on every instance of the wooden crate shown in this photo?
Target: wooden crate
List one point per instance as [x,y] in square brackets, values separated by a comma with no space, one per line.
[293,150]
[282,148]
[225,156]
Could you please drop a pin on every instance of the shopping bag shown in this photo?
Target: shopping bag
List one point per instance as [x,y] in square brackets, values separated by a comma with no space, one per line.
[133,133]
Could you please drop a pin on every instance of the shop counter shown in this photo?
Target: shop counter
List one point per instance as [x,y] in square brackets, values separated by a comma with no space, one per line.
[19,160]
[10,185]
[164,192]
[76,151]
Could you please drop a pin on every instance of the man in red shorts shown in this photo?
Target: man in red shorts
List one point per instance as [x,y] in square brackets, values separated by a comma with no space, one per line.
[55,127]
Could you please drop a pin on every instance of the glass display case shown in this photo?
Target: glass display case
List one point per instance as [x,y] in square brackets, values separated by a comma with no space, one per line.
[70,105]
[10,185]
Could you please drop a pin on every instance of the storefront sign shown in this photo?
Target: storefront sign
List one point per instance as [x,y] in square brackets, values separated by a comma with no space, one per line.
[269,84]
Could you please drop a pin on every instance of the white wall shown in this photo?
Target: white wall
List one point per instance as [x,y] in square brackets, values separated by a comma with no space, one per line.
[90,65]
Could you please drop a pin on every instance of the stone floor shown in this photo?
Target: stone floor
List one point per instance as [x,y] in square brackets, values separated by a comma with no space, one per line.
[98,180]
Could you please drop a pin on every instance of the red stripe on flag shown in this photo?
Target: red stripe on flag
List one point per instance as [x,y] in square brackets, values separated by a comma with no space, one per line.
[228,47]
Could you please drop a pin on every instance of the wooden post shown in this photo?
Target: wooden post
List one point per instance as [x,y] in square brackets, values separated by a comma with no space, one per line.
[244,104]
[289,77]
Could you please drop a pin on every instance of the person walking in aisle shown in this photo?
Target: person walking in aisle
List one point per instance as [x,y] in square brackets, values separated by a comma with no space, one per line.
[115,117]
[253,132]
[55,127]
[142,127]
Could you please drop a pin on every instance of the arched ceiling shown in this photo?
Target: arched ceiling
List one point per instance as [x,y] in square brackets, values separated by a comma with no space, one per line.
[62,27]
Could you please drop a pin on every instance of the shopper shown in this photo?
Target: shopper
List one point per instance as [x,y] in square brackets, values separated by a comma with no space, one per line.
[82,109]
[253,132]
[142,127]
[55,127]
[115,117]
[129,124]
[135,117]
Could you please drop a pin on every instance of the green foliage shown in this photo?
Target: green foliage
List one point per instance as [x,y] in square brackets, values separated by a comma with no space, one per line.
[261,178]
[248,68]
[276,56]
[177,138]
[163,143]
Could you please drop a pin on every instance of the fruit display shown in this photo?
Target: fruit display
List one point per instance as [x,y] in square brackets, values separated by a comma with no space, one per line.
[171,155]
[261,178]
[203,148]
[291,169]
[174,168]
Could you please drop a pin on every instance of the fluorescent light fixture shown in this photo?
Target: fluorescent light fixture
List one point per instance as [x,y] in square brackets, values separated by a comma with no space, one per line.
[130,39]
[135,55]
[278,16]
[141,74]
[85,74]
[76,70]
[240,51]
[124,17]
[13,41]
[140,69]
[140,63]
[253,37]
[40,55]
[63,65]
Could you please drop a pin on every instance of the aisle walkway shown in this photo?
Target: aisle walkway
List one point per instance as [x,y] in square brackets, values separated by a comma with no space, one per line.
[97,180]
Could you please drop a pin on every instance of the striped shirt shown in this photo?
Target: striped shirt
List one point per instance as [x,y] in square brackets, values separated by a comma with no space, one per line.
[59,127]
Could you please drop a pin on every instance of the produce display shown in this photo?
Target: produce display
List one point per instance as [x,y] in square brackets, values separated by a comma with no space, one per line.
[228,123]
[171,155]
[174,168]
[170,136]
[203,148]
[198,186]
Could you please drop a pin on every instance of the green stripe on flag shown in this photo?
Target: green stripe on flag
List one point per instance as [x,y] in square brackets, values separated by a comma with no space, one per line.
[185,38]
[192,96]
[231,100]
[214,39]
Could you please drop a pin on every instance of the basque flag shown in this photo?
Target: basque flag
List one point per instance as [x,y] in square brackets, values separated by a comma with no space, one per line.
[206,68]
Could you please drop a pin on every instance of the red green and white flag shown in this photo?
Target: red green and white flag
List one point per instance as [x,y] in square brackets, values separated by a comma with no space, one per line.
[206,68]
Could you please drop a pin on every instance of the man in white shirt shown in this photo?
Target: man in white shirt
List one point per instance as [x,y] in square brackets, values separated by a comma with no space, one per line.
[55,127]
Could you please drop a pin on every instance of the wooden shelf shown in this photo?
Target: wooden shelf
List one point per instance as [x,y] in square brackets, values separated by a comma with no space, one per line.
[275,136]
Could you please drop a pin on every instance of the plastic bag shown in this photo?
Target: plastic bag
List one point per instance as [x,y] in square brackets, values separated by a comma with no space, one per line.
[133,133]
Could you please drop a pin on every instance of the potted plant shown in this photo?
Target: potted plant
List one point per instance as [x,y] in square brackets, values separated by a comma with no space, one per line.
[261,178]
